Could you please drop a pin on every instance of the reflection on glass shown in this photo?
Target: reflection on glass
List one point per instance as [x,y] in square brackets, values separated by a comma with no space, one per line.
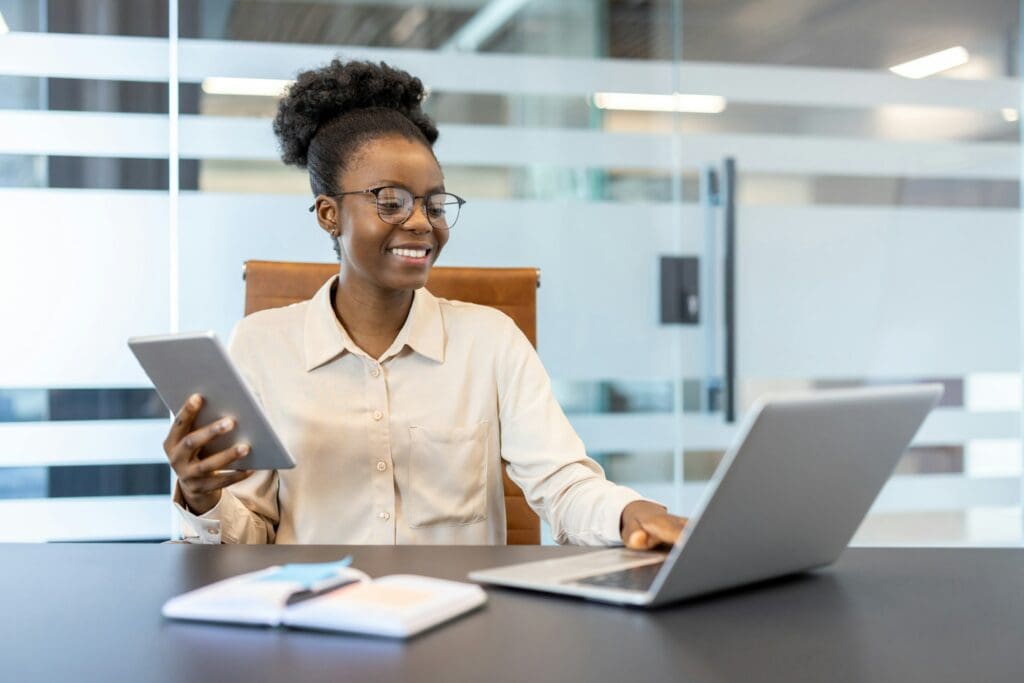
[48,405]
[633,468]
[614,396]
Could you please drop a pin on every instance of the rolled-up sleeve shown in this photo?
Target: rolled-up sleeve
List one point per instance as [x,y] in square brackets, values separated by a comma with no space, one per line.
[546,458]
[245,513]
[248,511]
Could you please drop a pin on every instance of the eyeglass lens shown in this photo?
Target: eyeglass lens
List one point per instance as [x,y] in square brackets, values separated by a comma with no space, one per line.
[395,205]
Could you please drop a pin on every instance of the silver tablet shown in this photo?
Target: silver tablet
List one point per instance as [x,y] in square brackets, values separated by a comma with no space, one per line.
[180,365]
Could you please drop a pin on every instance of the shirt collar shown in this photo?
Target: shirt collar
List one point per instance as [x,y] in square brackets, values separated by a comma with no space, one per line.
[326,338]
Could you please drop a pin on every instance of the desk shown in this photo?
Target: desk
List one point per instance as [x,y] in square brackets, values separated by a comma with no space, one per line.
[92,612]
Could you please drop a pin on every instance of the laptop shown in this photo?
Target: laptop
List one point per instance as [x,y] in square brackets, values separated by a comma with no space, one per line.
[786,498]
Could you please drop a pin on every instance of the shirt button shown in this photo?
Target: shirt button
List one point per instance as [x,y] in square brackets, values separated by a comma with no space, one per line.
[377,415]
[381,465]
[384,516]
[375,372]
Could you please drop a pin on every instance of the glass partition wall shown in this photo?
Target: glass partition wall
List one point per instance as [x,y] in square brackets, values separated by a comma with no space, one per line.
[874,222]
[876,232]
[84,264]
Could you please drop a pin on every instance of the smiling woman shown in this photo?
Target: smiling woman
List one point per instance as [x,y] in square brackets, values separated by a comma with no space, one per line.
[392,167]
[399,407]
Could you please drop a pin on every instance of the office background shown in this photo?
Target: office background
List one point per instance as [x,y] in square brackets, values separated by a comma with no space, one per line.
[877,222]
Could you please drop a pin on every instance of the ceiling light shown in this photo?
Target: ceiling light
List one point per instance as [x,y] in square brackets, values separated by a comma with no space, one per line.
[3,25]
[929,65]
[258,87]
[1010,115]
[676,102]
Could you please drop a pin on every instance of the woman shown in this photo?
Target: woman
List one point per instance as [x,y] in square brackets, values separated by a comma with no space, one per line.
[398,406]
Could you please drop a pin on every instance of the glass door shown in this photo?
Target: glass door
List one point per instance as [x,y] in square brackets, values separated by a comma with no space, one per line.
[876,235]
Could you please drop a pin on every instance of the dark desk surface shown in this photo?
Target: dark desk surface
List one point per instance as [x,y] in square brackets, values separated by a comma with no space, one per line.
[92,612]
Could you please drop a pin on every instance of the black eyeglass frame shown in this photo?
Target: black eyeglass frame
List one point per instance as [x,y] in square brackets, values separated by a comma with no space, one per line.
[375,191]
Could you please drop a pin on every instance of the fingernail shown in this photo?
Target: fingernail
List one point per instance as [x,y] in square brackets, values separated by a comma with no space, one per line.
[194,400]
[242,450]
[225,425]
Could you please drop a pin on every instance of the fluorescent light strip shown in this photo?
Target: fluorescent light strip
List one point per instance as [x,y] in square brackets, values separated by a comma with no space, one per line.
[3,25]
[255,87]
[929,65]
[676,102]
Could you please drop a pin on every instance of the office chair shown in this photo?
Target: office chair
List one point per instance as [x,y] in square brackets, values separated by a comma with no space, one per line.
[270,284]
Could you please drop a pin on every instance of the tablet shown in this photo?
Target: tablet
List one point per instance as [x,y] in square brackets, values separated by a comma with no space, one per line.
[180,365]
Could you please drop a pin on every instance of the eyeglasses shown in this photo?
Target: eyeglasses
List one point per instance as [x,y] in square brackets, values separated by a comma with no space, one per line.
[396,204]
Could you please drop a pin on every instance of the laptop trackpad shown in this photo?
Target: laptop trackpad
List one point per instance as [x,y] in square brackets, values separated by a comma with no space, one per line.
[568,569]
[632,579]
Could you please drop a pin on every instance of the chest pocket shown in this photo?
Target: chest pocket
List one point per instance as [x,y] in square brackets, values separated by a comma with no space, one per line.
[447,476]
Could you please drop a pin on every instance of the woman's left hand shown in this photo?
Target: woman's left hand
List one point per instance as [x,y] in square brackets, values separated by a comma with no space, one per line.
[645,525]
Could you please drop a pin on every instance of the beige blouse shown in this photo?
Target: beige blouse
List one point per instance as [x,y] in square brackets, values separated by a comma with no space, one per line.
[406,448]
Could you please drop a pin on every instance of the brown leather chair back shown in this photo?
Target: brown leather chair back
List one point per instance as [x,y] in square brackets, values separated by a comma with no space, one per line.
[270,284]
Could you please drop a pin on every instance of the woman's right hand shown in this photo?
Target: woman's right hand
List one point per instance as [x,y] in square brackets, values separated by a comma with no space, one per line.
[199,479]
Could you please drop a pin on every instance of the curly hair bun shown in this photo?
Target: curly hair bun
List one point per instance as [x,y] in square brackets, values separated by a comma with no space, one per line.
[322,95]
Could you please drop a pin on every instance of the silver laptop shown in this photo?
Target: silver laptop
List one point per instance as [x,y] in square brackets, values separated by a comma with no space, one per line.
[787,497]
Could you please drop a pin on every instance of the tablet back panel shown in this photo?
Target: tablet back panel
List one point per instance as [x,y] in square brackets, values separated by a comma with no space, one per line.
[182,364]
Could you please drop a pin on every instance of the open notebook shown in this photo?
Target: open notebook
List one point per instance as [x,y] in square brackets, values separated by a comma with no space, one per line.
[330,596]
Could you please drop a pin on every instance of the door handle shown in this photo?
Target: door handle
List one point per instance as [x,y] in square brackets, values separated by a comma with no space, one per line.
[719,192]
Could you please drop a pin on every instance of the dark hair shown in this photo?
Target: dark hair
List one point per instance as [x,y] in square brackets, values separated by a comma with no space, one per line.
[328,113]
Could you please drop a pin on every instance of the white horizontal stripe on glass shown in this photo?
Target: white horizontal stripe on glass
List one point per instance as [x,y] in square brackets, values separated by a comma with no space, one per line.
[79,133]
[901,494]
[84,270]
[84,442]
[57,55]
[797,86]
[654,432]
[145,59]
[232,138]
[449,72]
[527,74]
[953,426]
[946,492]
[102,518]
[210,137]
[849,292]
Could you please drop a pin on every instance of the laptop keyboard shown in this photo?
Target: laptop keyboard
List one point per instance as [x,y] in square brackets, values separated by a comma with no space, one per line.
[633,579]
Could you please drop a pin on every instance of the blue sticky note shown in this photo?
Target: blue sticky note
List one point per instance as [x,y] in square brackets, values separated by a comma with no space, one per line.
[308,574]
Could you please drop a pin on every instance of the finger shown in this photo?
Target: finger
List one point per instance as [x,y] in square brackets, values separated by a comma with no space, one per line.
[646,540]
[638,540]
[219,461]
[663,528]
[193,442]
[213,482]
[182,423]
